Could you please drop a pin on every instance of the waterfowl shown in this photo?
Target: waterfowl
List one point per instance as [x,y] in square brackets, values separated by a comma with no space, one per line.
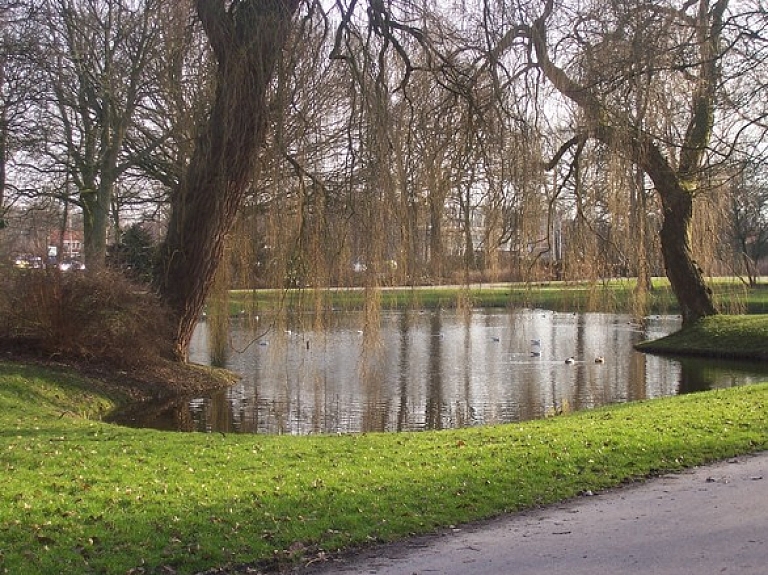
[599,359]
[570,360]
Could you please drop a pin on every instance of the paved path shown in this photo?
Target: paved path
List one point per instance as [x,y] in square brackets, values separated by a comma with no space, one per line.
[704,521]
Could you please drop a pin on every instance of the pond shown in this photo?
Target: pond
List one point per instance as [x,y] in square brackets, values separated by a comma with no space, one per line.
[436,370]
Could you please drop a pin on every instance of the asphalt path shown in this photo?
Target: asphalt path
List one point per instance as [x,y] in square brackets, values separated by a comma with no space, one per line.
[703,521]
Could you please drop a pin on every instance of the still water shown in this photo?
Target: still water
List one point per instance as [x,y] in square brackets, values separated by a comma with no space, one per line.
[435,370]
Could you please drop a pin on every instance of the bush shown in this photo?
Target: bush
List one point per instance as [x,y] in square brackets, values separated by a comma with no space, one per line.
[82,316]
[135,254]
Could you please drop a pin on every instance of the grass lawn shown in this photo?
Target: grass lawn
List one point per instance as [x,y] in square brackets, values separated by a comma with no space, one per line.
[81,496]
[729,336]
[607,296]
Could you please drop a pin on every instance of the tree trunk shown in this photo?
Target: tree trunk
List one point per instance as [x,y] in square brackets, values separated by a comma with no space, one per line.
[685,276]
[95,220]
[3,153]
[247,43]
[436,206]
[3,146]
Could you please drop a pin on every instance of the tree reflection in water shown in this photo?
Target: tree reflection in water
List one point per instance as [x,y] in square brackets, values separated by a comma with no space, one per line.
[437,370]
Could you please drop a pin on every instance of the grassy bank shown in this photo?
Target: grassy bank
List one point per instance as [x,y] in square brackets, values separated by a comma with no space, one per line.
[607,296]
[736,337]
[80,496]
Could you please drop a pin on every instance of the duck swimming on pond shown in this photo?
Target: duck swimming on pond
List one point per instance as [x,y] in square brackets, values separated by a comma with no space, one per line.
[599,359]
[570,360]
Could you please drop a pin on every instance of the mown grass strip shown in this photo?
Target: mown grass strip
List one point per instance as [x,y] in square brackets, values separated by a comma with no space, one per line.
[615,296]
[80,496]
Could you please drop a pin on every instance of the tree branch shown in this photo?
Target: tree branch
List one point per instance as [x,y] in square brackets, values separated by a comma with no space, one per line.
[577,139]
[217,25]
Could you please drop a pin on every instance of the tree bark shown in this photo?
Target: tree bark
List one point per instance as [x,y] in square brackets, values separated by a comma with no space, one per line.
[95,204]
[247,40]
[685,276]
[3,147]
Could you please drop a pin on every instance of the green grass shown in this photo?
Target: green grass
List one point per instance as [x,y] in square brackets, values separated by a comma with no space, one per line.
[80,496]
[605,296]
[609,296]
[731,336]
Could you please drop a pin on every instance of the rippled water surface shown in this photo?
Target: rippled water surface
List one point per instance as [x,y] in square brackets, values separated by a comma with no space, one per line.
[437,370]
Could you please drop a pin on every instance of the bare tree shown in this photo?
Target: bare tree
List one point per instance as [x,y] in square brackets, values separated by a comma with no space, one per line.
[688,54]
[749,219]
[96,55]
[171,112]
[19,89]
[589,68]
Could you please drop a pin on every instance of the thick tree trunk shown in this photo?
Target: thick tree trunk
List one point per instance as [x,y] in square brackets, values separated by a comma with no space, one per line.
[3,153]
[3,146]
[247,43]
[685,276]
[95,220]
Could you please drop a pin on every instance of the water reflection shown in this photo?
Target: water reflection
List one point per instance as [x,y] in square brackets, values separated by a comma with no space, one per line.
[438,370]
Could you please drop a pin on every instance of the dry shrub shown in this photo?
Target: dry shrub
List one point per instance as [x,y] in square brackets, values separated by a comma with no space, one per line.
[100,317]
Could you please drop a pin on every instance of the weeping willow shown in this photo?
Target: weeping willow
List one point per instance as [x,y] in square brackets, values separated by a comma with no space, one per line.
[717,254]
[377,175]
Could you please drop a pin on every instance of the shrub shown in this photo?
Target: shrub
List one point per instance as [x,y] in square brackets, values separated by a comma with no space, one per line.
[135,254]
[82,316]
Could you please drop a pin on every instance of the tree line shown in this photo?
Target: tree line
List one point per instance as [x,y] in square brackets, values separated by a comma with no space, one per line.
[308,143]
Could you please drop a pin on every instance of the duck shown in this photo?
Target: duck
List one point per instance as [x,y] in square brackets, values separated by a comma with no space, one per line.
[570,360]
[599,359]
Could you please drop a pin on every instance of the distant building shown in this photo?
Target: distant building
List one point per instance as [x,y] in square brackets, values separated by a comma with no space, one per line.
[65,245]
